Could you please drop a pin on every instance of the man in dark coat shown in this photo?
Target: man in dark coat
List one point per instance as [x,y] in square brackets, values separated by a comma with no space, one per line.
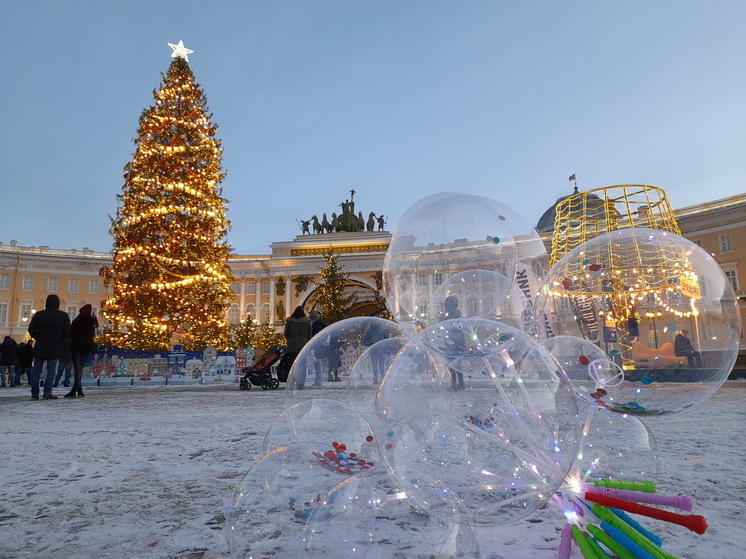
[8,360]
[297,333]
[49,328]
[25,361]
[682,347]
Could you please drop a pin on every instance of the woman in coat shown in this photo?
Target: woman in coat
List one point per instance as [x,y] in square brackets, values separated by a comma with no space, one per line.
[297,333]
[82,331]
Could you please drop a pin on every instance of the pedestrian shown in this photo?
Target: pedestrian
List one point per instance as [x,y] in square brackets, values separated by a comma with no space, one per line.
[25,361]
[317,325]
[8,358]
[82,331]
[682,347]
[456,342]
[297,334]
[373,334]
[65,364]
[49,328]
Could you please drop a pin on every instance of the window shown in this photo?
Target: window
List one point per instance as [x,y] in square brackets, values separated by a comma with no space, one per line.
[265,312]
[421,307]
[438,278]
[3,313]
[236,287]
[422,280]
[251,287]
[250,311]
[233,314]
[732,278]
[93,286]
[53,284]
[266,287]
[472,306]
[725,243]
[28,283]
[72,285]
[26,311]
[4,281]
[72,311]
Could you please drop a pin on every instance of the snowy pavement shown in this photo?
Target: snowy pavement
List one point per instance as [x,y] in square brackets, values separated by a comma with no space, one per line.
[146,473]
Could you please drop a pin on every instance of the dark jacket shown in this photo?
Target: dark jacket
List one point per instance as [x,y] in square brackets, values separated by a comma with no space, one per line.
[49,328]
[8,350]
[83,329]
[297,333]
[317,326]
[25,355]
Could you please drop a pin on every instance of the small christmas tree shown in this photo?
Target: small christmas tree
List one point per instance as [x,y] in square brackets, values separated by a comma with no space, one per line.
[331,289]
[170,277]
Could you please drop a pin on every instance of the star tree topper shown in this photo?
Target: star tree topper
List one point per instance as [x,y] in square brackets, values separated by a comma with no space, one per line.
[180,51]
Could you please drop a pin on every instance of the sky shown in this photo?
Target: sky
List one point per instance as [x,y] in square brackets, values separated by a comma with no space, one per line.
[394,99]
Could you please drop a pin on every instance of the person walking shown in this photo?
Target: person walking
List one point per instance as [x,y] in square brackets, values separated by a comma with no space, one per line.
[49,328]
[456,342]
[317,325]
[8,358]
[81,333]
[297,334]
[25,360]
[64,365]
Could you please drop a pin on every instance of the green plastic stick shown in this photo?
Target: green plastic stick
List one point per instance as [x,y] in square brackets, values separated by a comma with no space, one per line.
[643,486]
[597,551]
[616,548]
[582,541]
[630,532]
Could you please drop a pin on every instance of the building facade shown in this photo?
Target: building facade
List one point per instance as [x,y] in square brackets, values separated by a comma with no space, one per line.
[268,287]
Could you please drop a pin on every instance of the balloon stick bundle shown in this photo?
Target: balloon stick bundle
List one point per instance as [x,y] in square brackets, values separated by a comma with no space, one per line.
[597,520]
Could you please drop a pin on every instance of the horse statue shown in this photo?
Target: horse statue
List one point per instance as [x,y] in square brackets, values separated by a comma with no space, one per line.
[336,225]
[371,221]
[317,230]
[325,225]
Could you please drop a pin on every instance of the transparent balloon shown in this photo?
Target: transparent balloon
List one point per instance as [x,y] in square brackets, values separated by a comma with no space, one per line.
[662,306]
[438,237]
[330,355]
[370,514]
[481,291]
[478,408]
[616,446]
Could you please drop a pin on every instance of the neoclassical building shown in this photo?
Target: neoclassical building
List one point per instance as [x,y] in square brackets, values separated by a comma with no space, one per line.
[268,287]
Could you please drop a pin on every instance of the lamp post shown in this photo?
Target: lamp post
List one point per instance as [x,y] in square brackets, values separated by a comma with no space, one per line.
[653,316]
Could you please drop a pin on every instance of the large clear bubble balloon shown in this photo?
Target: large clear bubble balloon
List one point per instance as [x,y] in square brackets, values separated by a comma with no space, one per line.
[615,446]
[479,408]
[660,304]
[267,511]
[325,421]
[330,355]
[370,515]
[438,237]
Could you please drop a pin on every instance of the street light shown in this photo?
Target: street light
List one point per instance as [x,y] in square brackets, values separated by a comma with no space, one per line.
[653,316]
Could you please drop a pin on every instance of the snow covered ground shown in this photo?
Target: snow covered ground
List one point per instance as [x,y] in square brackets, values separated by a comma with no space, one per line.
[146,473]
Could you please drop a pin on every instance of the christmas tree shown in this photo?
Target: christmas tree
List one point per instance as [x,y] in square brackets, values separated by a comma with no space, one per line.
[170,278]
[331,290]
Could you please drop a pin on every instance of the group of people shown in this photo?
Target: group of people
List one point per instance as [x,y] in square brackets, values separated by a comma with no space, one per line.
[59,345]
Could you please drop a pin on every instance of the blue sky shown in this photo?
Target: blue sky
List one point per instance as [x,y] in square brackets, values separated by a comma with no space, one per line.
[396,99]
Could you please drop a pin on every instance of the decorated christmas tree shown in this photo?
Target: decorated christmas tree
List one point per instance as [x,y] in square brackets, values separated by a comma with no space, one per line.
[330,294]
[170,278]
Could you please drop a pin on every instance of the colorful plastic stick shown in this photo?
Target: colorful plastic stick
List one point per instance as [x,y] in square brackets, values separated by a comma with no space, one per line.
[642,486]
[610,520]
[598,553]
[693,522]
[565,546]
[618,536]
[582,541]
[632,522]
[616,548]
[679,501]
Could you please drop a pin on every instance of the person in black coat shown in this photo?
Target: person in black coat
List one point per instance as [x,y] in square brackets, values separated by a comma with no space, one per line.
[82,331]
[25,361]
[49,328]
[297,333]
[317,325]
[8,357]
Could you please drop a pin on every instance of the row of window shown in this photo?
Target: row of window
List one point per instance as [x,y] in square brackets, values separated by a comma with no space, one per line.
[27,309]
[233,313]
[251,288]
[53,284]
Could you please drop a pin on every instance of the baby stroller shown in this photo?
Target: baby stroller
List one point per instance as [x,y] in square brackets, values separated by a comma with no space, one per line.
[260,373]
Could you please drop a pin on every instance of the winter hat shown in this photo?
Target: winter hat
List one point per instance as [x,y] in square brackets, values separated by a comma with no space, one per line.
[86,309]
[298,312]
[53,302]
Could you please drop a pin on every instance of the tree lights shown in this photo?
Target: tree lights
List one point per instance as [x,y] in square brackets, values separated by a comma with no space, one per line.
[170,277]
